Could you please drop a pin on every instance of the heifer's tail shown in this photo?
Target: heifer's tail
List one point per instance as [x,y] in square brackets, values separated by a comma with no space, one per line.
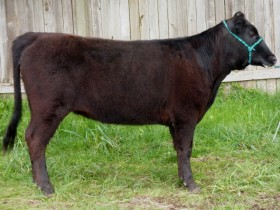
[18,47]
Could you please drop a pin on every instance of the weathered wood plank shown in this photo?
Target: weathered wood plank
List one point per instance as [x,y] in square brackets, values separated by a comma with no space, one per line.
[271,86]
[12,32]
[3,43]
[124,20]
[115,21]
[191,17]
[105,17]
[278,85]
[269,37]
[80,17]
[249,5]
[8,88]
[163,19]
[201,16]
[239,5]
[58,15]
[24,22]
[237,76]
[134,20]
[229,6]
[182,18]
[38,18]
[67,16]
[268,23]
[210,14]
[219,10]
[153,20]
[49,21]
[172,19]
[144,22]
[261,85]
[95,24]
[276,20]
[260,17]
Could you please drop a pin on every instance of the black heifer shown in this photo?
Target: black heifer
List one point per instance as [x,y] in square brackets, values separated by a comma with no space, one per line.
[171,82]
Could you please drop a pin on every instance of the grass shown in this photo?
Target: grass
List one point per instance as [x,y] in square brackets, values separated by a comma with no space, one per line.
[98,166]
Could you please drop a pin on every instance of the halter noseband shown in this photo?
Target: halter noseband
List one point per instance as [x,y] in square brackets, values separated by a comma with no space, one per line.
[249,48]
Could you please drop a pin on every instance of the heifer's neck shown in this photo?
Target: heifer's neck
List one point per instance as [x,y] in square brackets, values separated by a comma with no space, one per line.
[218,53]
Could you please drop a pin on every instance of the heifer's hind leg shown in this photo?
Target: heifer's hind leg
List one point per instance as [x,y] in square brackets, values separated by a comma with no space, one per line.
[38,135]
[182,135]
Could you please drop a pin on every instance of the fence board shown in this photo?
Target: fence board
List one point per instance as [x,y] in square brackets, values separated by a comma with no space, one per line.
[3,43]
[249,4]
[144,19]
[276,18]
[105,12]
[253,75]
[201,16]
[269,37]
[67,16]
[163,19]
[80,17]
[210,13]
[12,32]
[259,21]
[115,22]
[153,20]
[191,17]
[182,18]
[172,18]
[38,18]
[229,4]
[239,5]
[139,19]
[134,17]
[124,20]
[48,12]
[219,10]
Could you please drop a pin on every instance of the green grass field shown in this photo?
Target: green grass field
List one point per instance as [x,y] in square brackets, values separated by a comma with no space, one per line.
[98,166]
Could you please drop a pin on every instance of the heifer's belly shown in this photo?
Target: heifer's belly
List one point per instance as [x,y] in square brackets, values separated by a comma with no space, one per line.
[122,108]
[122,95]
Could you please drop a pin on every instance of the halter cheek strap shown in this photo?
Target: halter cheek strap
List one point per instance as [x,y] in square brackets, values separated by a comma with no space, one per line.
[249,48]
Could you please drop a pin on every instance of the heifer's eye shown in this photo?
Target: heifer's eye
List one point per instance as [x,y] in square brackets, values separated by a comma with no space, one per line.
[252,34]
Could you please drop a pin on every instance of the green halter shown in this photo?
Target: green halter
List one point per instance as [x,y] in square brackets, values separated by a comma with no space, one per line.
[249,48]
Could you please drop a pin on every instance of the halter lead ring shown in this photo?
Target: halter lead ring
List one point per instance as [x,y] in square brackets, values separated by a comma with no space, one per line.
[249,48]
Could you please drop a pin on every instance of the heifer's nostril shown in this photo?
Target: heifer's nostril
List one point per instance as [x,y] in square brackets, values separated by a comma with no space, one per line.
[273,59]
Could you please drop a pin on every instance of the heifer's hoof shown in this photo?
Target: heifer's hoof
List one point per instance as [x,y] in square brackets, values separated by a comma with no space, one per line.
[47,190]
[193,187]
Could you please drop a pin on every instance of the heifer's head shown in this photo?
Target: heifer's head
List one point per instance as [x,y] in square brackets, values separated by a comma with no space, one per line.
[246,44]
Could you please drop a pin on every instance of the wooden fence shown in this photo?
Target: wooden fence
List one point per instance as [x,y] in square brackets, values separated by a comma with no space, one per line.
[138,19]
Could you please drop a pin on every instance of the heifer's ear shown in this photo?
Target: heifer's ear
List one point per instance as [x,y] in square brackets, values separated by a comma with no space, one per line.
[239,20]
[239,14]
[239,17]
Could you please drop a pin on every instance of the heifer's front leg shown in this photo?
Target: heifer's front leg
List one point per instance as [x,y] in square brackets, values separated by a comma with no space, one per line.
[182,135]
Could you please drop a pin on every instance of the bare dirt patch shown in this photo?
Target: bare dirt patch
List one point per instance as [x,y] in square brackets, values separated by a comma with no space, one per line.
[146,202]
